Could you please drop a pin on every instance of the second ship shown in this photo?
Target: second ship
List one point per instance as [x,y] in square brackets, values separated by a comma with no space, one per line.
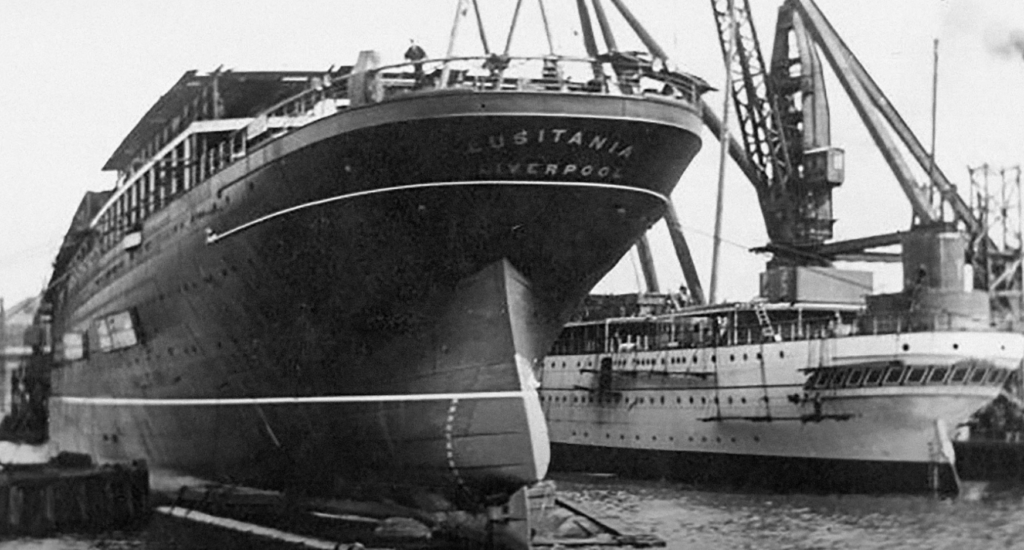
[817,385]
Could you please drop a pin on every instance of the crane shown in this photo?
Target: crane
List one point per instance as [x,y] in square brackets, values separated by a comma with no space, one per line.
[784,124]
[786,153]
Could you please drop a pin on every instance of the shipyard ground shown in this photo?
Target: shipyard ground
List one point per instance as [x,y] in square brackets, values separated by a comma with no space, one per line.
[67,498]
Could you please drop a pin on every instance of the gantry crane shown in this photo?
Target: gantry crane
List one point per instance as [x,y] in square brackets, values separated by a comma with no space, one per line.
[783,120]
[784,124]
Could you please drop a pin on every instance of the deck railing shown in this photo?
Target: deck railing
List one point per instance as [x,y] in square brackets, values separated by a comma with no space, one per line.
[668,333]
[621,75]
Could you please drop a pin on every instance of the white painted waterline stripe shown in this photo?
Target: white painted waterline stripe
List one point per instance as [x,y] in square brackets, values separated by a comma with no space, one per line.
[289,400]
[252,529]
[213,236]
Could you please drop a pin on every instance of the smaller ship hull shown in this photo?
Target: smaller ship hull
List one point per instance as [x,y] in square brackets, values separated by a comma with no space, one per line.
[767,415]
[760,472]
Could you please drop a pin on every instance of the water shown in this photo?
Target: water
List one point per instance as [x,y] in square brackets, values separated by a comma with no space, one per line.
[691,518]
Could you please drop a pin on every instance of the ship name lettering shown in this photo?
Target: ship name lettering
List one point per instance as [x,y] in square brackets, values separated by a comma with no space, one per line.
[578,138]
[556,170]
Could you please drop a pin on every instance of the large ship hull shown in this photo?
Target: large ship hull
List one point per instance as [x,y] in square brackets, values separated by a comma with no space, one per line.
[364,300]
[767,422]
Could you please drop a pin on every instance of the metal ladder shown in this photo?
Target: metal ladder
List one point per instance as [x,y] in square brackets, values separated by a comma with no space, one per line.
[767,331]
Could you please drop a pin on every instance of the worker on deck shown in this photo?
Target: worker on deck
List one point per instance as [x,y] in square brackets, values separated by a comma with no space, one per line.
[415,54]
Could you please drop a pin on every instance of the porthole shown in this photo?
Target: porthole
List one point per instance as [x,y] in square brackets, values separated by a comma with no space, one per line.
[732,357]
[691,400]
[782,353]
[906,347]
[956,346]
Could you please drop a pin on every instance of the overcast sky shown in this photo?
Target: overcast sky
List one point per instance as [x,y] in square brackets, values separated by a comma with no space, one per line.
[76,77]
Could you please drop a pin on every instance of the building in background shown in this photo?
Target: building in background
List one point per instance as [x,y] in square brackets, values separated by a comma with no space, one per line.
[15,325]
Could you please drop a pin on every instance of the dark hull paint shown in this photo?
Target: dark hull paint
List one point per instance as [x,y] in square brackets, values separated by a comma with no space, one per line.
[771,473]
[408,252]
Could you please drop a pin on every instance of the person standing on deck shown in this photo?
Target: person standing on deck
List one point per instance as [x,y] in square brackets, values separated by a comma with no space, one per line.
[415,54]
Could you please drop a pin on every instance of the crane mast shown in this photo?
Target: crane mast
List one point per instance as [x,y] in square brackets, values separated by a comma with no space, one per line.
[783,120]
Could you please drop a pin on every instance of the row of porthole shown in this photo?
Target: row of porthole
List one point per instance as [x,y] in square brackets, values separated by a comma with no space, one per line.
[691,439]
[682,360]
[192,285]
[619,399]
[655,361]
